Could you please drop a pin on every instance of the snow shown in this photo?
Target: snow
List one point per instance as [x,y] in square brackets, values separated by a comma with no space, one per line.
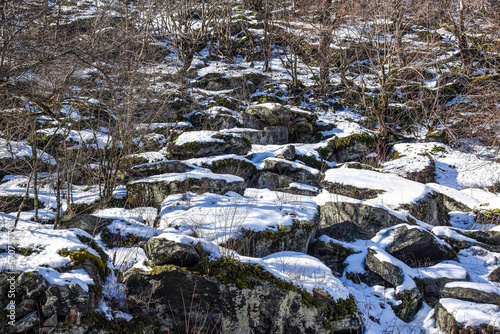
[484,287]
[295,165]
[21,150]
[193,174]
[197,136]
[455,194]
[472,314]
[217,218]
[396,190]
[76,276]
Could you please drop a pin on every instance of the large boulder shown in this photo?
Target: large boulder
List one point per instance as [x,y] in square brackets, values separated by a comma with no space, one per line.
[287,172]
[417,247]
[160,167]
[331,254]
[153,190]
[162,251]
[347,219]
[235,297]
[207,143]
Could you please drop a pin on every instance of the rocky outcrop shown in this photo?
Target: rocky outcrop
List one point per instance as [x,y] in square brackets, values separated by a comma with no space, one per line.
[417,247]
[278,172]
[237,297]
[411,302]
[153,190]
[350,220]
[332,254]
[473,292]
[430,209]
[161,251]
[161,167]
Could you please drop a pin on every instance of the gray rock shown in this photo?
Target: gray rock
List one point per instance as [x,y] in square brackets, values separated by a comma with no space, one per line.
[294,173]
[161,251]
[430,209]
[411,302]
[230,144]
[158,168]
[349,148]
[494,276]
[349,221]
[288,153]
[331,254]
[270,135]
[469,292]
[490,238]
[444,320]
[250,306]
[62,298]
[152,193]
[88,223]
[389,272]
[28,322]
[431,288]
[293,238]
[417,247]
[32,285]
[25,307]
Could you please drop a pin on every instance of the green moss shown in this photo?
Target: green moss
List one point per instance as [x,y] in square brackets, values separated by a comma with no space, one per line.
[193,146]
[311,161]
[78,209]
[25,251]
[232,166]
[78,257]
[93,244]
[411,220]
[224,102]
[437,150]
[349,141]
[117,240]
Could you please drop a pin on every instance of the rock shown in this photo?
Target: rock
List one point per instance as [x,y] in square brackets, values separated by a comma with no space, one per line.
[444,320]
[494,276]
[161,167]
[28,322]
[294,238]
[270,135]
[32,285]
[348,148]
[231,164]
[288,153]
[295,172]
[88,223]
[300,124]
[389,272]
[490,238]
[331,254]
[161,251]
[470,291]
[388,190]
[411,302]
[62,298]
[207,143]
[347,220]
[153,190]
[417,247]
[237,298]
[215,82]
[25,307]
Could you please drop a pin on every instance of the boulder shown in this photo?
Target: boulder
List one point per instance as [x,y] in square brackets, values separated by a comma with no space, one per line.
[295,172]
[391,273]
[331,254]
[207,143]
[60,299]
[288,238]
[288,153]
[160,167]
[230,164]
[162,251]
[32,285]
[88,223]
[300,124]
[494,276]
[270,135]
[417,247]
[237,297]
[470,291]
[349,148]
[348,220]
[29,322]
[153,190]
[490,239]
[411,302]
